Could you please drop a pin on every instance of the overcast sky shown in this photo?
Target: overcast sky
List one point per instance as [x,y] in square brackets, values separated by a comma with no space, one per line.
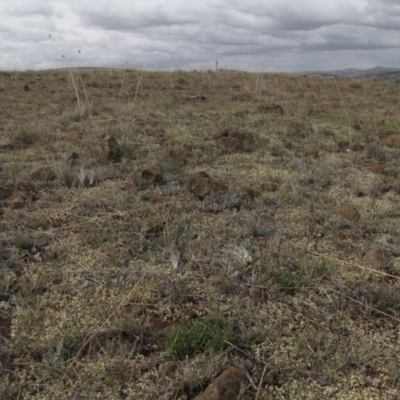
[254,35]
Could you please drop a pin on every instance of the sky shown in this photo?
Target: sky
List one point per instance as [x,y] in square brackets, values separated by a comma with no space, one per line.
[252,35]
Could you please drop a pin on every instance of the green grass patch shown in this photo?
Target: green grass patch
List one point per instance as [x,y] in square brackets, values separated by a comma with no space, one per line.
[208,334]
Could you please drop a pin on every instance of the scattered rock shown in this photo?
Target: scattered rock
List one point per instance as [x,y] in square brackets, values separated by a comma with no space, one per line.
[179,154]
[347,211]
[392,140]
[349,234]
[378,169]
[235,140]
[115,152]
[27,88]
[152,174]
[225,387]
[43,174]
[374,258]
[154,197]
[201,185]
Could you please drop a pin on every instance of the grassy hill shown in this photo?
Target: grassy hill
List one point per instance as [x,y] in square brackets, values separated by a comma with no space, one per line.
[158,227]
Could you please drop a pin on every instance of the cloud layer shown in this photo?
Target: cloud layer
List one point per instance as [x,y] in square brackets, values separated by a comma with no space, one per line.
[157,34]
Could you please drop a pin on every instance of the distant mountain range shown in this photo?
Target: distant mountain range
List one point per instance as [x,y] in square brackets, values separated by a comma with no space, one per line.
[376,74]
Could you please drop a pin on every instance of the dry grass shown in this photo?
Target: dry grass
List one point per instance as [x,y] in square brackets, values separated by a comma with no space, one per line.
[143,212]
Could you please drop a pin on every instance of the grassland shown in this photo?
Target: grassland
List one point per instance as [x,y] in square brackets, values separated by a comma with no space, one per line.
[158,227]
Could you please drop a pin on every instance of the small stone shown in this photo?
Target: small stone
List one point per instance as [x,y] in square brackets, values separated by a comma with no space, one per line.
[374,258]
[152,173]
[201,185]
[347,211]
[154,197]
[225,387]
[378,169]
[349,234]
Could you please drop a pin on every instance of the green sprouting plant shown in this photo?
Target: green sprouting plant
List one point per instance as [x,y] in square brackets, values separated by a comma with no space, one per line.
[208,334]
[288,281]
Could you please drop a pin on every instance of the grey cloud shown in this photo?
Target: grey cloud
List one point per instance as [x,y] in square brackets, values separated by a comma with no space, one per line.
[130,18]
[30,8]
[179,34]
